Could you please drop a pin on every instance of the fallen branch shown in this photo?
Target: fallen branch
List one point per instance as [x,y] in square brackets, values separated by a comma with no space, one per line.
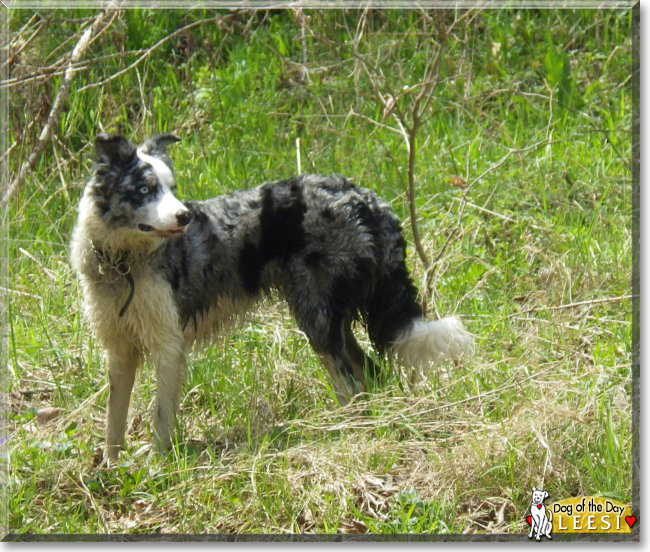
[98,25]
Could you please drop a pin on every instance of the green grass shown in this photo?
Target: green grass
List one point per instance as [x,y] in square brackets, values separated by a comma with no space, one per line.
[263,447]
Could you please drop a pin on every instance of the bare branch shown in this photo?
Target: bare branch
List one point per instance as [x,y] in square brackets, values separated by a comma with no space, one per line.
[150,50]
[97,26]
[578,304]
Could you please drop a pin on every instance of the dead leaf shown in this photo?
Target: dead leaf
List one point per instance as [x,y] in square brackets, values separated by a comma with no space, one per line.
[389,104]
[140,505]
[353,526]
[458,182]
[306,519]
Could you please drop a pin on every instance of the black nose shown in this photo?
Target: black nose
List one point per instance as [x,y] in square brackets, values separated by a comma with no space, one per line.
[184,218]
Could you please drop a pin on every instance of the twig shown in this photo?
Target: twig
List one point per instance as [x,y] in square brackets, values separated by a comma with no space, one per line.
[43,74]
[93,502]
[494,213]
[298,155]
[484,210]
[370,120]
[463,200]
[578,304]
[411,187]
[39,27]
[409,119]
[410,141]
[59,101]
[149,51]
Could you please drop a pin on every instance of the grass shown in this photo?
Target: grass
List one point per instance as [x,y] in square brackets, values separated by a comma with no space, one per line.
[263,447]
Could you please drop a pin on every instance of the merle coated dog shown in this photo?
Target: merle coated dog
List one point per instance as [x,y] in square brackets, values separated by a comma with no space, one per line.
[159,275]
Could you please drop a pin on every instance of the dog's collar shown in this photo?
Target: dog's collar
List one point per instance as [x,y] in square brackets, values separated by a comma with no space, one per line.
[118,265]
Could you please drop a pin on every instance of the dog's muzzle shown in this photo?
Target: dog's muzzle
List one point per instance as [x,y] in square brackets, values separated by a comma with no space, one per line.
[183,218]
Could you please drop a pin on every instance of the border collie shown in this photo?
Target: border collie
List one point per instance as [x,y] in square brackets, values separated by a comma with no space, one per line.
[159,275]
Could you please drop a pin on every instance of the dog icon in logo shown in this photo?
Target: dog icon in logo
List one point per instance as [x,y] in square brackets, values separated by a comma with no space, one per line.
[539,520]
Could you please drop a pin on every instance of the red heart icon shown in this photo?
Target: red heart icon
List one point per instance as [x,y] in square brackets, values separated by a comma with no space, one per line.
[529,520]
[539,506]
[631,520]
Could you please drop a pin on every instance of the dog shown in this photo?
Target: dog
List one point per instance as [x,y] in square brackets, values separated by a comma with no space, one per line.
[159,275]
[539,518]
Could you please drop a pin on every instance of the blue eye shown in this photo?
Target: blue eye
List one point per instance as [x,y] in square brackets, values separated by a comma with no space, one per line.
[148,189]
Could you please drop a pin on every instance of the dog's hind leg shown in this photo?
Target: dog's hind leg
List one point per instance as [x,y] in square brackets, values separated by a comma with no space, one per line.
[342,356]
[362,364]
[123,361]
[171,369]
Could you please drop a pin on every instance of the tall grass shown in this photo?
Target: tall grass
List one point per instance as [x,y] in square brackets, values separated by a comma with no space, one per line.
[263,446]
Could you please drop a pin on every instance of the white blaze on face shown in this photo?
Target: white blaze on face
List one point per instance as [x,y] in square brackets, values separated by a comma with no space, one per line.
[160,168]
[163,214]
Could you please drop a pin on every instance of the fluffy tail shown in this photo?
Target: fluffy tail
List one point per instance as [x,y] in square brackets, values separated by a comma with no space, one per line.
[424,341]
[397,326]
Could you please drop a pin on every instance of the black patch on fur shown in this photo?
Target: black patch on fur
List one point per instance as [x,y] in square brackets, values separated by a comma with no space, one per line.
[251,263]
[314,259]
[327,214]
[175,279]
[114,150]
[281,232]
[391,308]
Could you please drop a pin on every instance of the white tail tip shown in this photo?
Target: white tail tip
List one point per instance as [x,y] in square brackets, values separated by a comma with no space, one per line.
[426,341]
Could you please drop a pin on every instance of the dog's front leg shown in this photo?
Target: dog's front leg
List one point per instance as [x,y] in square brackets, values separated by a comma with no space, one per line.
[540,528]
[123,360]
[171,368]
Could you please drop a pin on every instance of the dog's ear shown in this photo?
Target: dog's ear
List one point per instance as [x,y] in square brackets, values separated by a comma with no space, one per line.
[534,489]
[114,150]
[159,143]
[545,494]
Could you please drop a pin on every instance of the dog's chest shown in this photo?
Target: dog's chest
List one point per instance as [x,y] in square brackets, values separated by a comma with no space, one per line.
[142,311]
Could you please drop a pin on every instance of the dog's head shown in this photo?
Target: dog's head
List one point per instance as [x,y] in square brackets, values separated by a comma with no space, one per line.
[538,496]
[132,189]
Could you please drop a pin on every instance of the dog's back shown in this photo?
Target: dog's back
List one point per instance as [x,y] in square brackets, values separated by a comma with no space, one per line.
[333,250]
